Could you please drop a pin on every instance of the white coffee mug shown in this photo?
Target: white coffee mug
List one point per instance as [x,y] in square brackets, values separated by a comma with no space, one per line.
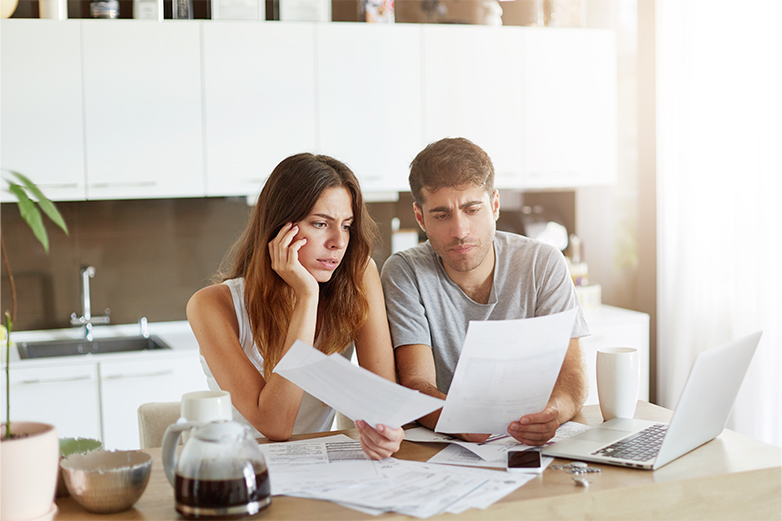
[617,381]
[206,406]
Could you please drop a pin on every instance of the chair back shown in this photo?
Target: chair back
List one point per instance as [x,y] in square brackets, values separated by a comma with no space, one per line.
[153,420]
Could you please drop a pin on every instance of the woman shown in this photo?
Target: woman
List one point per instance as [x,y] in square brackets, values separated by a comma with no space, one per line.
[301,271]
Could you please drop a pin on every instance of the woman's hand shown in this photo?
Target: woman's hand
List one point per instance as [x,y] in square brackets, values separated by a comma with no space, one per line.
[381,442]
[284,254]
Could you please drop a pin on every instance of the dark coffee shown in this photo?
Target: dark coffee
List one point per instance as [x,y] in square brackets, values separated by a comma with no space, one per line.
[220,494]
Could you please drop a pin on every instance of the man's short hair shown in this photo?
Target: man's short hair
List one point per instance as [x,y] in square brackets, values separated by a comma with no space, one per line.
[450,162]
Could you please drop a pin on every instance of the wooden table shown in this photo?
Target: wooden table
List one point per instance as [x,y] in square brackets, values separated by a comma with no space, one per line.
[731,477]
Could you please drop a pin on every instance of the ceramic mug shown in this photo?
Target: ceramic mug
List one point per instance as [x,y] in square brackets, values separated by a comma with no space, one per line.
[206,406]
[617,381]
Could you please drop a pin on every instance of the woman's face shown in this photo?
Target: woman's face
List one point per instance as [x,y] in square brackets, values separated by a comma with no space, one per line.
[327,230]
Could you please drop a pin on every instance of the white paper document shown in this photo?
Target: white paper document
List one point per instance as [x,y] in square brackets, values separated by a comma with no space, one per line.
[491,453]
[352,390]
[410,487]
[300,465]
[335,469]
[507,369]
[456,455]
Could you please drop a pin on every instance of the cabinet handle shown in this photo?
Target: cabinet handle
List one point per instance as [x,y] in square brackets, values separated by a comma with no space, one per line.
[58,185]
[139,375]
[128,183]
[55,380]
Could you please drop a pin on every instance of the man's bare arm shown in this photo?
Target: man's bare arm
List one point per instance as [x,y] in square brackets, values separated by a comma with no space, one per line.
[415,369]
[570,391]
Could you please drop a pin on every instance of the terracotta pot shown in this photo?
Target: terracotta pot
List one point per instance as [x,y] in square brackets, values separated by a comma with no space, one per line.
[28,471]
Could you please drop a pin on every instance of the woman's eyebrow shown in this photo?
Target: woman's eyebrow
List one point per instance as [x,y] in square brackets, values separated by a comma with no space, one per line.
[330,217]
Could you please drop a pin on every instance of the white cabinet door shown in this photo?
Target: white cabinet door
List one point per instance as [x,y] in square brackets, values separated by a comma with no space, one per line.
[369,100]
[142,97]
[128,384]
[617,327]
[569,90]
[259,88]
[473,88]
[41,100]
[65,396]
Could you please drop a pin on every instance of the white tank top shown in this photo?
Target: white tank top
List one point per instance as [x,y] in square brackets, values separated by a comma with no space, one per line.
[314,415]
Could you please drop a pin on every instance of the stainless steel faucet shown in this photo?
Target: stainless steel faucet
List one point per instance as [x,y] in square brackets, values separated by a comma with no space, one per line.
[86,320]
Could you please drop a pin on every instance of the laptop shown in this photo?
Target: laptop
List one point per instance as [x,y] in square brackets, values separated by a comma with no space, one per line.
[700,415]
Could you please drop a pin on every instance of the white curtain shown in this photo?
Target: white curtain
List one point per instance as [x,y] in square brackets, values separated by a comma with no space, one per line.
[719,144]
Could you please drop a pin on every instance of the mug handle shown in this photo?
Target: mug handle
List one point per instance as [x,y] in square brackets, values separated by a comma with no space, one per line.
[170,441]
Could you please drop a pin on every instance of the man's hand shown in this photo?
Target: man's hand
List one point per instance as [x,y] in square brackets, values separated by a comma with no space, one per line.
[536,429]
[381,442]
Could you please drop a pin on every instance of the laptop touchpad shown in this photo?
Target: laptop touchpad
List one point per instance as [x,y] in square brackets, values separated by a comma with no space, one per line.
[601,435]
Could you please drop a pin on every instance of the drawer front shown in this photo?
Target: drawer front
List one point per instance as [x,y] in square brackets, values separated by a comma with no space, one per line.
[64,396]
[127,385]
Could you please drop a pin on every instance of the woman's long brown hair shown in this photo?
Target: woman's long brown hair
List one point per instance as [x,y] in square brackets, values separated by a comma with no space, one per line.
[289,195]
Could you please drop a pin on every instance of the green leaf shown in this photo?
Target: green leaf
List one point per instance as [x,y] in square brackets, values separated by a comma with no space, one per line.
[70,446]
[30,213]
[46,205]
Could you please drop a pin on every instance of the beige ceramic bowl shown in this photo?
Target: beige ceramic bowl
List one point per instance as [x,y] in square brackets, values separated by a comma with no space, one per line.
[107,481]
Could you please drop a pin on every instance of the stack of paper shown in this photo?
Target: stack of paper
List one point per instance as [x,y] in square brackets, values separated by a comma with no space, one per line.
[336,469]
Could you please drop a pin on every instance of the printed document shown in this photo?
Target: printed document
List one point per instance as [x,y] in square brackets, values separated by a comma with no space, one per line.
[507,369]
[334,468]
[332,461]
[352,390]
[490,453]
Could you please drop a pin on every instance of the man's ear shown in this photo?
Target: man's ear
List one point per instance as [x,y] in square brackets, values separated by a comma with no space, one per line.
[495,204]
[419,216]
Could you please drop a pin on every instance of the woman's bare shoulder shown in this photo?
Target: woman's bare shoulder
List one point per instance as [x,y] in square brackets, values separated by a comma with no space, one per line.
[371,274]
[214,298]
[210,312]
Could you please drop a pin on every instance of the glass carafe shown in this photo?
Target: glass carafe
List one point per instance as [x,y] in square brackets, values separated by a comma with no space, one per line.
[221,472]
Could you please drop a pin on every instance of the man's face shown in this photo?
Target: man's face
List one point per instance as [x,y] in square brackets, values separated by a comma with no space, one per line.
[460,225]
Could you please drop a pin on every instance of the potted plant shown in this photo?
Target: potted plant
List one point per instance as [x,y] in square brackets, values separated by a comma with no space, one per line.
[29,451]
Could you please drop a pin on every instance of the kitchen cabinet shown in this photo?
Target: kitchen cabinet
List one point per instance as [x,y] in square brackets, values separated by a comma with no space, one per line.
[98,395]
[125,385]
[66,396]
[570,119]
[126,109]
[41,99]
[369,100]
[616,327]
[541,102]
[259,92]
[142,109]
[473,89]
[100,398]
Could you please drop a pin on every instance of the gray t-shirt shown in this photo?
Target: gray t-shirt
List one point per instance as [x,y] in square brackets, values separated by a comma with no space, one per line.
[426,307]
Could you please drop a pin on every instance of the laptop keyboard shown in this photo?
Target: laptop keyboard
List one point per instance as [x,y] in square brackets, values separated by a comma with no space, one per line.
[641,446]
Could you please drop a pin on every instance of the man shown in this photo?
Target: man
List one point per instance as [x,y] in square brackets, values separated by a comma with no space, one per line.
[469,271]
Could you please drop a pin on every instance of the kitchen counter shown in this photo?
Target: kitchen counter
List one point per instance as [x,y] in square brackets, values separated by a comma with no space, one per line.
[177,335]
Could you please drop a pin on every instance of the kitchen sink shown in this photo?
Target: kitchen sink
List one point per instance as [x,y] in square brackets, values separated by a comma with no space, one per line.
[80,346]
